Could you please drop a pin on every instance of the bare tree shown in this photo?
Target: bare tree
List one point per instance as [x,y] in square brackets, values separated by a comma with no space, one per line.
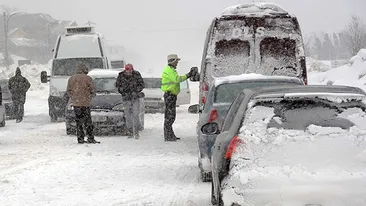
[355,35]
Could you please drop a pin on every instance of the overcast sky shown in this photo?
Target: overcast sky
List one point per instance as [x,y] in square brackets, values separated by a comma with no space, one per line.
[154,28]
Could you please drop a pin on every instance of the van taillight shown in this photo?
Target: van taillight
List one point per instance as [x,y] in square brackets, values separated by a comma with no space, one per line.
[232,147]
[204,100]
[205,87]
[214,116]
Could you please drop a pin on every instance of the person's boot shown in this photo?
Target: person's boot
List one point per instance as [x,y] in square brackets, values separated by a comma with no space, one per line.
[81,141]
[137,136]
[18,120]
[129,134]
[92,141]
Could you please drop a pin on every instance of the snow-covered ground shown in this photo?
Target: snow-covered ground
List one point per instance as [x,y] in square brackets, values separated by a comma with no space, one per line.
[41,165]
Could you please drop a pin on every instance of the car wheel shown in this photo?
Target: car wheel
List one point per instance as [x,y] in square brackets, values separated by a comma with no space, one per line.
[53,118]
[70,130]
[206,176]
[2,124]
[213,199]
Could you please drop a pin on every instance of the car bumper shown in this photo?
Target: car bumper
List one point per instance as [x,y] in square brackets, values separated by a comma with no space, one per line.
[205,143]
[106,120]
[153,106]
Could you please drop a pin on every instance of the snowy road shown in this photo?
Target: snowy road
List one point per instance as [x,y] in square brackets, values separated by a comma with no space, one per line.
[41,165]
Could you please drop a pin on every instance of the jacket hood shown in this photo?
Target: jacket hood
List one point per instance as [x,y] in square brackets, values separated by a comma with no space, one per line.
[18,72]
[82,69]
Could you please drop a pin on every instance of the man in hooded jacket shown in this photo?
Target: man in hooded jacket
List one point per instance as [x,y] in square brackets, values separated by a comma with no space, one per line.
[81,90]
[18,86]
[130,85]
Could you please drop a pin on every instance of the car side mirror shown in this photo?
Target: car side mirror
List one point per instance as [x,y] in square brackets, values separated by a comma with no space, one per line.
[44,77]
[194,109]
[210,128]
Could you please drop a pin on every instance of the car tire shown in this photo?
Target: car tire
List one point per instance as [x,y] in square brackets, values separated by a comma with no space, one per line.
[206,176]
[53,117]
[2,124]
[213,199]
[70,130]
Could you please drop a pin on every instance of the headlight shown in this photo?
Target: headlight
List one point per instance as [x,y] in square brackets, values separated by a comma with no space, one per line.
[70,107]
[54,91]
[118,107]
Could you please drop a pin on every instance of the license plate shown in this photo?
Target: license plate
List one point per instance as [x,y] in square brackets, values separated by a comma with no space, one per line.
[99,118]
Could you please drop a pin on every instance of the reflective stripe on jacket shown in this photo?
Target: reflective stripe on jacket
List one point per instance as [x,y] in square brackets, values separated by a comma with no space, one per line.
[170,81]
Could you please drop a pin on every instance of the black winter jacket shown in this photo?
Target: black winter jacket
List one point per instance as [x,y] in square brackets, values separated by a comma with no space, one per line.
[130,86]
[18,86]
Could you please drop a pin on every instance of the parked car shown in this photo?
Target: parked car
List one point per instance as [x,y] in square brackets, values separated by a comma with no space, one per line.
[291,145]
[221,94]
[2,110]
[6,99]
[154,100]
[107,106]
[118,64]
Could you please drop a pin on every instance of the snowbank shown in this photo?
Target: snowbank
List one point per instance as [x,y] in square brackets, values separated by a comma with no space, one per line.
[352,74]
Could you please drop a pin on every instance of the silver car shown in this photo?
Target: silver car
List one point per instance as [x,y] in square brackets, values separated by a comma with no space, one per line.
[154,100]
[291,145]
[221,94]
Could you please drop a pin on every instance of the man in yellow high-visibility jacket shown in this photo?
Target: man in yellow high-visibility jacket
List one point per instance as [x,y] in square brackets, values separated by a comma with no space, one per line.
[171,87]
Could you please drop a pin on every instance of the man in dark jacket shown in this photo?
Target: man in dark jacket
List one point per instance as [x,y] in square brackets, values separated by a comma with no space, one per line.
[81,90]
[130,85]
[18,86]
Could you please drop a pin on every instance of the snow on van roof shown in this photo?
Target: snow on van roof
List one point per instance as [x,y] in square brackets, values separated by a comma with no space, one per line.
[255,9]
[107,73]
[250,76]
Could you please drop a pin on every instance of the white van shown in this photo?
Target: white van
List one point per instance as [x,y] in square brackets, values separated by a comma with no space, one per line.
[258,38]
[77,45]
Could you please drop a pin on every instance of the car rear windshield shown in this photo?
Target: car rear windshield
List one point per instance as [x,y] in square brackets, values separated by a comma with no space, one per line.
[300,114]
[226,93]
[105,84]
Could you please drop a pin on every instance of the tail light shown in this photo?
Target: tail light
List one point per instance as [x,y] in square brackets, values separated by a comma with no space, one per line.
[305,81]
[232,147]
[214,116]
[204,100]
[205,87]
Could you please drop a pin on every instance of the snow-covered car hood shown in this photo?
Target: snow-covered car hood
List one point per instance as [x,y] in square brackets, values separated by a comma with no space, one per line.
[106,101]
[153,93]
[319,165]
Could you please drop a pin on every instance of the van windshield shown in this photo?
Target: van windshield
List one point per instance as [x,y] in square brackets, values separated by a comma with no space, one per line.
[79,46]
[68,67]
